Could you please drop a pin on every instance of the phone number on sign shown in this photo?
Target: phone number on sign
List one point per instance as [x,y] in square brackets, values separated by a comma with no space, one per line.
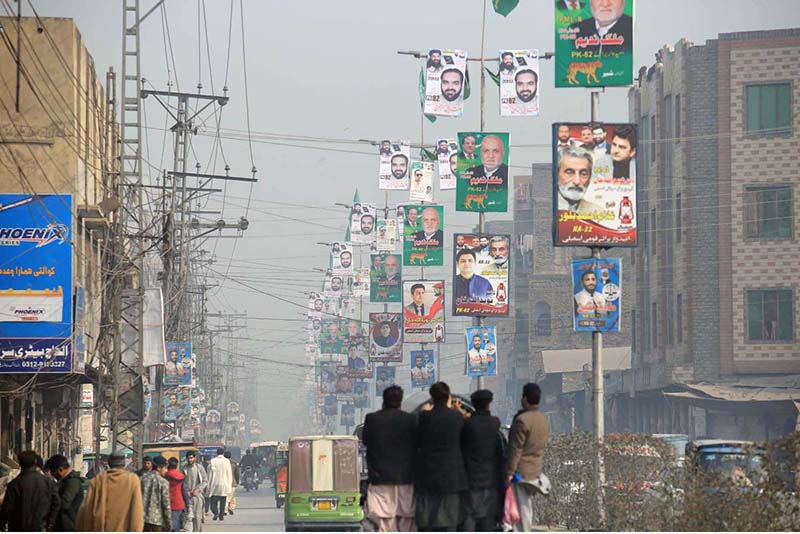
[44,364]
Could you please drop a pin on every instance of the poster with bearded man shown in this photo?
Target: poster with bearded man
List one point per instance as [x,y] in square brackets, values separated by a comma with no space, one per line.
[519,83]
[395,161]
[481,274]
[423,235]
[482,183]
[445,79]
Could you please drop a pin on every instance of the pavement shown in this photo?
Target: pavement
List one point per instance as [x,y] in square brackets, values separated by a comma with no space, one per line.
[255,511]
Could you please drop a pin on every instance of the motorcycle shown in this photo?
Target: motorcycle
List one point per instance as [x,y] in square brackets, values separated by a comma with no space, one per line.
[249,480]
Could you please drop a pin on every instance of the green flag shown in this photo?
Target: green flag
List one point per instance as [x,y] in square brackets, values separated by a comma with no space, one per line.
[431,118]
[427,155]
[504,7]
[495,77]
[349,221]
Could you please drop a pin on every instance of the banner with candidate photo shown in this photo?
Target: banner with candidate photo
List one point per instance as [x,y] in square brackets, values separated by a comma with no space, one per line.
[358,365]
[344,383]
[597,294]
[481,274]
[386,240]
[327,377]
[385,272]
[386,337]
[481,351]
[316,305]
[361,393]
[447,163]
[421,181]
[423,311]
[423,368]
[594,184]
[362,223]
[177,402]
[331,337]
[385,376]
[394,165]
[482,183]
[178,368]
[361,282]
[213,422]
[330,406]
[341,259]
[594,43]
[445,80]
[348,415]
[423,235]
[519,83]
[333,285]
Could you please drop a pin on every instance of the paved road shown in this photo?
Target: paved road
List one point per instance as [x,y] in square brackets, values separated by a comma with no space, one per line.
[255,511]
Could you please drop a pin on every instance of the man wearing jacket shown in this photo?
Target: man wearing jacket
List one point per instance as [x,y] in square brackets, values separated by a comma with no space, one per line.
[195,483]
[155,498]
[70,492]
[29,503]
[178,496]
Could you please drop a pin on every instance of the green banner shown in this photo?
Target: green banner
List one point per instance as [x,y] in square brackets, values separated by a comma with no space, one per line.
[423,239]
[385,275]
[482,183]
[594,43]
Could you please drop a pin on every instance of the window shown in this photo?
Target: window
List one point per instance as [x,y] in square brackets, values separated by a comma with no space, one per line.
[679,318]
[543,319]
[769,108]
[768,211]
[653,138]
[655,325]
[678,218]
[677,118]
[770,316]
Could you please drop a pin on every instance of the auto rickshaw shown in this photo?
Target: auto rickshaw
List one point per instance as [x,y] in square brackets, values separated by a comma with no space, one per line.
[323,484]
[281,473]
[266,451]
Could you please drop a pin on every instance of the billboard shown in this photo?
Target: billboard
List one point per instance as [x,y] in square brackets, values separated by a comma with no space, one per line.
[387,235]
[213,422]
[421,181]
[447,163]
[177,403]
[386,337]
[362,223]
[384,278]
[385,376]
[423,368]
[423,311]
[519,83]
[597,294]
[594,184]
[331,338]
[482,183]
[480,275]
[232,412]
[445,80]
[36,295]
[178,367]
[594,43]
[481,351]
[395,159]
[423,236]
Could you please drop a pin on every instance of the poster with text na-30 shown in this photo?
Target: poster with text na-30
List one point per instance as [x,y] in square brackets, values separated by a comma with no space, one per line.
[482,183]
[597,294]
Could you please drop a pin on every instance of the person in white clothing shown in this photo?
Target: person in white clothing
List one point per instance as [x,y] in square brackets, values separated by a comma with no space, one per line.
[220,484]
[589,300]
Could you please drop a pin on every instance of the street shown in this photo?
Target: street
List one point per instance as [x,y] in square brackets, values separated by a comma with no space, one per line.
[255,511]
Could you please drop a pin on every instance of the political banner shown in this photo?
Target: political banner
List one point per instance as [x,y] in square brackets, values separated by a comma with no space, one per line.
[394,165]
[447,160]
[384,278]
[387,235]
[327,377]
[482,183]
[315,305]
[421,181]
[597,294]
[348,417]
[423,368]
[519,83]
[331,336]
[594,184]
[481,351]
[177,403]
[178,367]
[386,337]
[362,223]
[423,235]
[232,412]
[385,376]
[312,351]
[341,259]
[445,80]
[361,282]
[255,427]
[333,286]
[242,422]
[344,383]
[594,43]
[423,311]
[481,274]
[213,422]
[36,301]
[330,406]
[361,394]
[358,365]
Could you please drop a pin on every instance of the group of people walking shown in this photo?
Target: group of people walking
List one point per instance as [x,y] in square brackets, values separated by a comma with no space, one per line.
[446,469]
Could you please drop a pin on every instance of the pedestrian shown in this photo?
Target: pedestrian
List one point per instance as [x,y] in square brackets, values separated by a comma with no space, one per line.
[482,448]
[113,501]
[527,441]
[70,492]
[235,473]
[178,496]
[220,482]
[390,437]
[51,482]
[156,498]
[440,476]
[29,503]
[195,483]
[147,465]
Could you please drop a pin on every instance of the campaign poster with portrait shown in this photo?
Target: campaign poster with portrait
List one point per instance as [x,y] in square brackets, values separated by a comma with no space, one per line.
[394,165]
[385,376]
[423,235]
[481,351]
[423,368]
[482,183]
[447,163]
[421,181]
[361,394]
[362,223]
[327,376]
[255,427]
[316,305]
[423,311]
[387,235]
[348,416]
[519,83]
[358,365]
[385,337]
[341,259]
[331,338]
[445,80]
[178,368]
[597,294]
[177,402]
[594,184]
[361,282]
[385,278]
[594,43]
[312,351]
[232,412]
[333,285]
[213,422]
[330,406]
[481,274]
[344,383]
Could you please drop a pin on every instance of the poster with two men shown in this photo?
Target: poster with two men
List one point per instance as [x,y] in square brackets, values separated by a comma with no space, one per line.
[395,160]
[447,163]
[385,278]
[423,311]
[597,294]
[482,183]
[445,81]
[519,83]
[481,274]
[423,235]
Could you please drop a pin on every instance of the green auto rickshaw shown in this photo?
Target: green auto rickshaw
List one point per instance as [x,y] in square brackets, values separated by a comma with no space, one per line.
[323,484]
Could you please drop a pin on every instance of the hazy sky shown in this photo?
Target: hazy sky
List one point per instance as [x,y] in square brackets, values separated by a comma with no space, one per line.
[330,70]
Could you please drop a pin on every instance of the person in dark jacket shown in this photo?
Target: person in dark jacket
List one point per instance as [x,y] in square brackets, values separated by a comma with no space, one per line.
[482,448]
[29,504]
[70,492]
[390,436]
[440,476]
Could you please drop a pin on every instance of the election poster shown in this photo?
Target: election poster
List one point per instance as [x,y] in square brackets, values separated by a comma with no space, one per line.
[447,163]
[315,305]
[361,393]
[344,383]
[421,181]
[597,294]
[386,337]
[423,311]
[594,43]
[445,79]
[482,183]
[213,422]
[361,282]
[594,184]
[348,416]
[394,165]
[232,412]
[327,377]
[330,406]
[481,351]
[387,235]
[358,365]
[333,285]
[341,259]
[423,235]
[255,427]
[519,83]
[331,338]
[177,402]
[178,368]
[423,368]
[481,274]
[362,223]
[384,278]
[385,376]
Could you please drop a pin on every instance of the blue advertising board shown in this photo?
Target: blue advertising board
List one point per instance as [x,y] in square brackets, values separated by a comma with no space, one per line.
[36,283]
[481,351]
[596,294]
[178,367]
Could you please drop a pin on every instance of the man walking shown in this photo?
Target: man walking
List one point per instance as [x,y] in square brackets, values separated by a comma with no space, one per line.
[390,436]
[527,441]
[113,501]
[70,492]
[235,475]
[195,483]
[178,496]
[220,482]
[29,503]
[155,498]
[147,465]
